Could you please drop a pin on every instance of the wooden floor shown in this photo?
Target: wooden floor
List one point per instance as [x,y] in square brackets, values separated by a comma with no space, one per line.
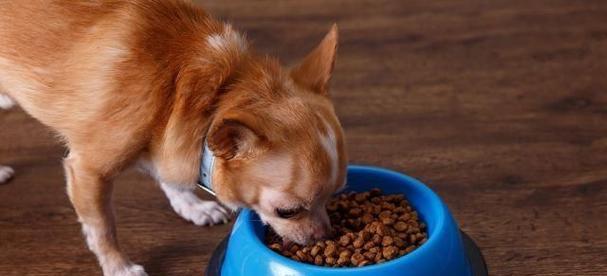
[499,106]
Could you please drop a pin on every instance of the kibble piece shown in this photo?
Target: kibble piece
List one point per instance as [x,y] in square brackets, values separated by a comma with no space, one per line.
[371,227]
[376,209]
[358,243]
[376,239]
[357,258]
[330,250]
[342,261]
[355,212]
[401,226]
[399,210]
[399,242]
[365,235]
[375,192]
[378,257]
[367,218]
[344,240]
[300,254]
[343,205]
[368,245]
[387,206]
[385,214]
[309,259]
[318,260]
[382,230]
[345,254]
[387,221]
[387,241]
[412,238]
[369,255]
[405,217]
[364,263]
[361,197]
[330,260]
[276,247]
[389,252]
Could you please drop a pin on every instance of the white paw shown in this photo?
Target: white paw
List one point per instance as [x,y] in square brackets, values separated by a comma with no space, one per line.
[6,102]
[6,173]
[130,270]
[190,207]
[204,213]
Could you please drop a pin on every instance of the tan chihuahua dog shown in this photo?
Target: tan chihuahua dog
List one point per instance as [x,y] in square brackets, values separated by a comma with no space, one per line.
[146,83]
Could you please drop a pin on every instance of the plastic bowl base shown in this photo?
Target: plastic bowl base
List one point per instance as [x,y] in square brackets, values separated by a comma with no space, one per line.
[477,261]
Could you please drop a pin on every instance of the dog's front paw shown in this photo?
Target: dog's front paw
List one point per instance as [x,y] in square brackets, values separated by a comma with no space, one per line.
[6,173]
[204,212]
[190,207]
[130,270]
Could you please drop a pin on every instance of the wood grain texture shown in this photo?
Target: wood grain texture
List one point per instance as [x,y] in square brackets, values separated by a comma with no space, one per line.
[499,106]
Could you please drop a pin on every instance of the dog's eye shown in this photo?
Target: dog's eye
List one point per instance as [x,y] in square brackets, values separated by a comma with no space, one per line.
[288,213]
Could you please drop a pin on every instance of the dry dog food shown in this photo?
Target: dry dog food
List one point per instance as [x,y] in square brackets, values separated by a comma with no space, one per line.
[369,228]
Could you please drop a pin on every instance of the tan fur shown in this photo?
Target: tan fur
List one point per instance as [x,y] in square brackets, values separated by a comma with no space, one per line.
[143,81]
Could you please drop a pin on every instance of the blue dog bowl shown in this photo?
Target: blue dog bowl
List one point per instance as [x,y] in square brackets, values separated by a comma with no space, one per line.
[447,251]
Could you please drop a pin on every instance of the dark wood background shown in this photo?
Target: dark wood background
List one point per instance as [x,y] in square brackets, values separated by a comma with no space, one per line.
[499,106]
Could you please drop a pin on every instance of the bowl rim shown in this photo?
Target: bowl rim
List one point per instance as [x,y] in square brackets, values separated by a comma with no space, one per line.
[434,199]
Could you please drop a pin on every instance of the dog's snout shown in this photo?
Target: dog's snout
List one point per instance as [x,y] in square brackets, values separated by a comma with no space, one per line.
[322,231]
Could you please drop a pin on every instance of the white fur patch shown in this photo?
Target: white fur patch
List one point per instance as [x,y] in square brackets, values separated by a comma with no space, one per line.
[110,264]
[228,40]
[131,270]
[6,173]
[190,207]
[329,143]
[92,236]
[6,102]
[19,78]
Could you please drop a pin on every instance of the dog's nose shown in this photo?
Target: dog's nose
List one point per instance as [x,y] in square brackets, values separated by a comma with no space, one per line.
[322,231]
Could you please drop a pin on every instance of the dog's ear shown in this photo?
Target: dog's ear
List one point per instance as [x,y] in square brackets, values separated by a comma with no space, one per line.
[231,139]
[314,72]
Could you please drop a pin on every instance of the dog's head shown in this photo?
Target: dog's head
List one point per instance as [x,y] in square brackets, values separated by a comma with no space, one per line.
[279,145]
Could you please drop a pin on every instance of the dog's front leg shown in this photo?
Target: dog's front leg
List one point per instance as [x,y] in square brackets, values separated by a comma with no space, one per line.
[90,194]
